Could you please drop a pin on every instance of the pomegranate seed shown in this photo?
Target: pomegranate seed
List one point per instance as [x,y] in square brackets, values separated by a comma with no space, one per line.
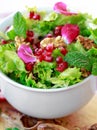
[34,46]
[57,30]
[38,44]
[31,14]
[35,50]
[30,39]
[49,35]
[36,17]
[49,47]
[59,59]
[47,53]
[48,58]
[4,41]
[41,58]
[29,66]
[30,33]
[62,66]
[63,50]
[39,52]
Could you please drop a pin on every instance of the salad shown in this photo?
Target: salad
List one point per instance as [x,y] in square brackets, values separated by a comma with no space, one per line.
[49,49]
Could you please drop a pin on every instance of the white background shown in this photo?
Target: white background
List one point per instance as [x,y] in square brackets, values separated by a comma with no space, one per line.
[9,6]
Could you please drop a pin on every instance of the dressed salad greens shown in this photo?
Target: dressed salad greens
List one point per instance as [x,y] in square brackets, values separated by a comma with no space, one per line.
[49,49]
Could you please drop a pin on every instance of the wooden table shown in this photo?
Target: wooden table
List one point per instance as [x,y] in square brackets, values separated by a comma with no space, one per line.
[81,119]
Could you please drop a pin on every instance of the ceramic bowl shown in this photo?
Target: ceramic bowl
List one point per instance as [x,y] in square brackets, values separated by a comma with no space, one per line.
[46,103]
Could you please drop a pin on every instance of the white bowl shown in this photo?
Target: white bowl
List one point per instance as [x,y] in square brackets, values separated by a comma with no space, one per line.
[46,103]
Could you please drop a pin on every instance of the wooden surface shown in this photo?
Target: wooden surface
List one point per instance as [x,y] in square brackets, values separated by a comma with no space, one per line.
[81,119]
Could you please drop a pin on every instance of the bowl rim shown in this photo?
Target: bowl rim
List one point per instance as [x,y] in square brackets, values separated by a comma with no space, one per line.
[14,83]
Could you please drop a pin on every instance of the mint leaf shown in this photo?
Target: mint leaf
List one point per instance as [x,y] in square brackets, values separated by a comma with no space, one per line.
[78,59]
[19,24]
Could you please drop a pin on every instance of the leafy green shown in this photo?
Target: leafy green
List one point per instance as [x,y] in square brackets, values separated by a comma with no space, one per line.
[44,74]
[79,19]
[95,21]
[92,53]
[76,47]
[78,59]
[3,35]
[56,52]
[68,77]
[9,60]
[12,128]
[43,27]
[93,35]
[47,25]
[11,34]
[19,26]
[44,71]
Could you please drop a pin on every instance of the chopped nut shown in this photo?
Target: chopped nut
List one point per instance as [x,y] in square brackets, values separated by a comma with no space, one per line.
[93,127]
[19,41]
[30,122]
[50,126]
[58,41]
[86,42]
[85,73]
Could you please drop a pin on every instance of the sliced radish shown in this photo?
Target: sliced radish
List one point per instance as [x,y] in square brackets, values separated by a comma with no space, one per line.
[26,54]
[61,8]
[70,32]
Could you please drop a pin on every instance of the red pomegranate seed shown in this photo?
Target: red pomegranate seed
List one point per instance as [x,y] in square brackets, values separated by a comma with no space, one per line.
[62,66]
[47,53]
[49,35]
[29,66]
[31,14]
[49,47]
[41,58]
[30,39]
[4,41]
[63,50]
[30,33]
[59,59]
[38,44]
[57,30]
[39,52]
[48,58]
[36,17]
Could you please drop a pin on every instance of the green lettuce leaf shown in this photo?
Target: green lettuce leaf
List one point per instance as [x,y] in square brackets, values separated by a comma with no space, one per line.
[68,77]
[77,46]
[9,60]
[43,70]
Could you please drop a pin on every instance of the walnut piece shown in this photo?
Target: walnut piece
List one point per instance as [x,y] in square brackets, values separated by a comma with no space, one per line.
[56,41]
[86,42]
[85,73]
[19,41]
[50,126]
[93,127]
